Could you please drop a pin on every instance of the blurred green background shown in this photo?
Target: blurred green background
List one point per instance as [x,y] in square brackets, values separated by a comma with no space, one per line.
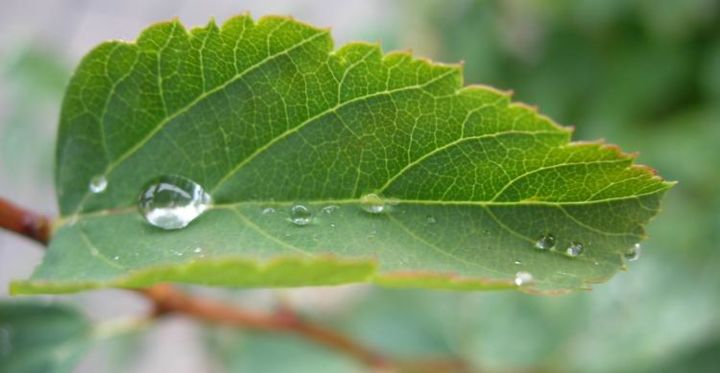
[643,74]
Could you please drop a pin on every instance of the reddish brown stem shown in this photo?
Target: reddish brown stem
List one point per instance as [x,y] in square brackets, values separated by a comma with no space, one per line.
[23,222]
[169,299]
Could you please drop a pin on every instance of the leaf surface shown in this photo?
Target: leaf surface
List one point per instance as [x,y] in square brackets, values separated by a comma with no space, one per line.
[37,337]
[266,114]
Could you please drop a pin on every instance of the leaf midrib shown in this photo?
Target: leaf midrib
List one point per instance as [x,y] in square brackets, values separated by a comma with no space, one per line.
[356,201]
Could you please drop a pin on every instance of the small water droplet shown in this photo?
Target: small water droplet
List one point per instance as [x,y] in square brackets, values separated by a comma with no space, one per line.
[373,203]
[300,215]
[633,252]
[523,278]
[268,211]
[546,242]
[98,184]
[329,209]
[332,225]
[517,262]
[172,202]
[116,257]
[198,250]
[575,249]
[431,219]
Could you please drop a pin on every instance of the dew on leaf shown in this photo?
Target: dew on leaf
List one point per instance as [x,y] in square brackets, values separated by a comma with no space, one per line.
[172,202]
[373,203]
[546,242]
[371,236]
[98,184]
[300,215]
[523,278]
[198,250]
[329,209]
[268,211]
[574,249]
[633,252]
[431,219]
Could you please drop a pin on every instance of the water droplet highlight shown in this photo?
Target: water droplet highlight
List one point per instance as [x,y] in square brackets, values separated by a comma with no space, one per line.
[546,242]
[633,252]
[372,235]
[172,202]
[373,203]
[329,209]
[575,249]
[268,211]
[98,184]
[198,250]
[300,215]
[523,278]
[116,257]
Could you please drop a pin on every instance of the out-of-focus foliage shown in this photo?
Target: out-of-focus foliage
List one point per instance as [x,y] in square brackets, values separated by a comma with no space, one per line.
[37,337]
[253,352]
[35,81]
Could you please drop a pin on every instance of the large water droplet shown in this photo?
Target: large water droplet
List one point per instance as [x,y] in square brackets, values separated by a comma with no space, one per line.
[172,202]
[523,278]
[633,252]
[300,215]
[98,184]
[574,249]
[546,242]
[373,203]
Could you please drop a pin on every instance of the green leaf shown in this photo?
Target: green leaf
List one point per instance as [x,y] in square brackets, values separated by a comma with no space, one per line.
[39,337]
[266,114]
